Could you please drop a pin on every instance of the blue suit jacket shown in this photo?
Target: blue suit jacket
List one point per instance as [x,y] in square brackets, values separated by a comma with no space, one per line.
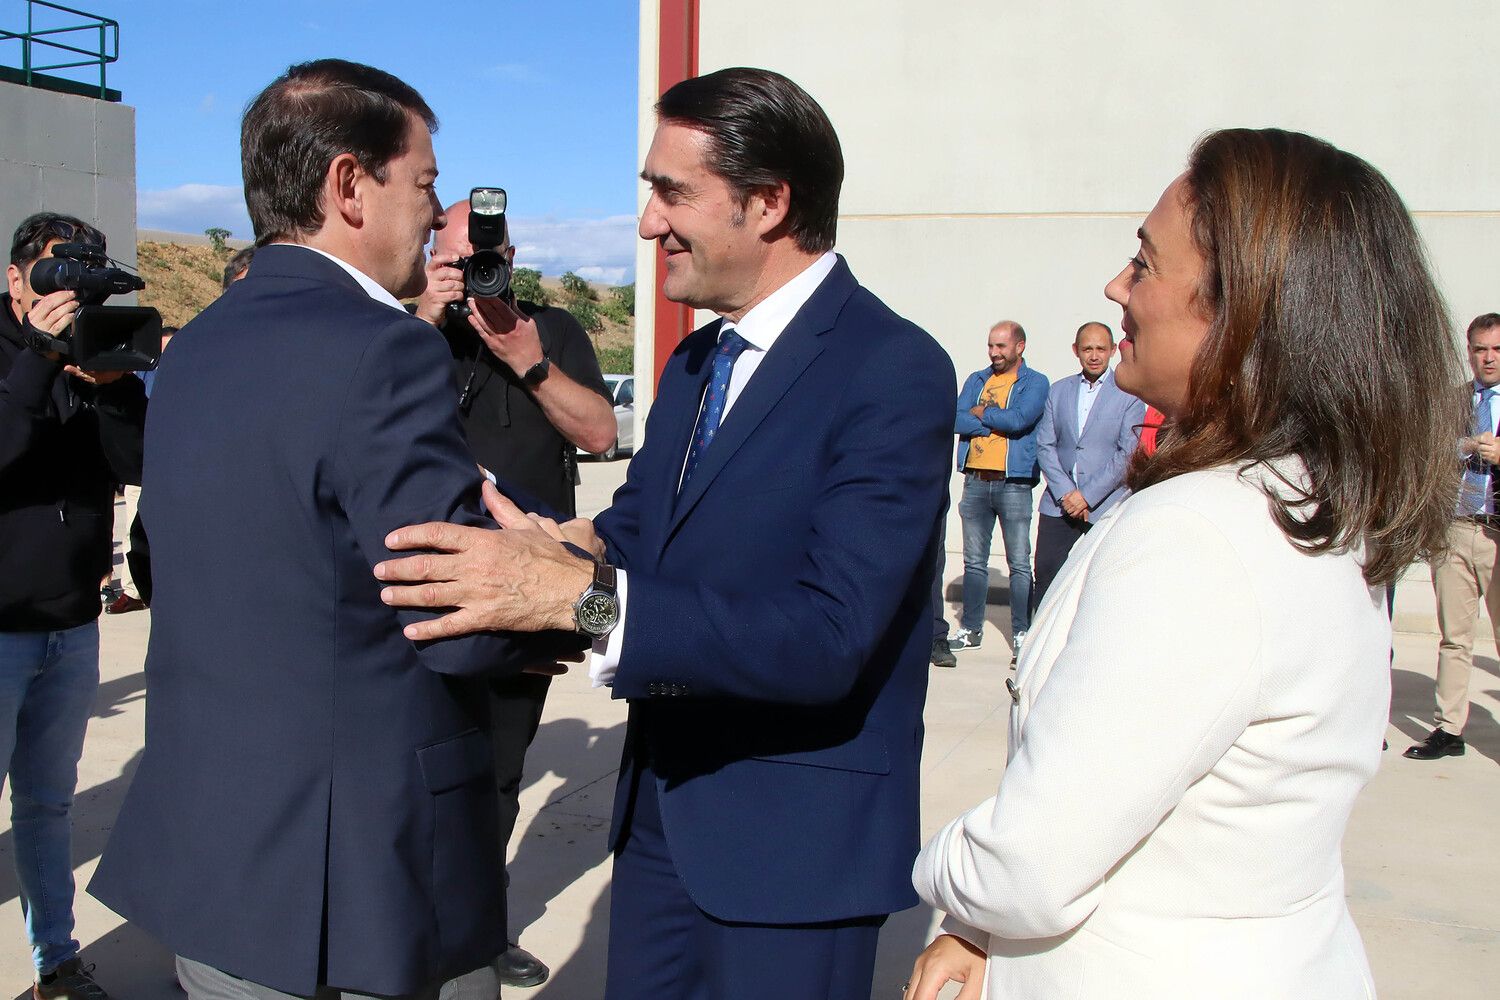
[1017,419]
[779,613]
[1092,463]
[316,801]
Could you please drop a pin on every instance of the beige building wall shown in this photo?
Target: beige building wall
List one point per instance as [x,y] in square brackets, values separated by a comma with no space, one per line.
[1000,155]
[69,154]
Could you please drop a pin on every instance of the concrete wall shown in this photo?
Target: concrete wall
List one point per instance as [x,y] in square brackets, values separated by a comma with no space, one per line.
[68,154]
[1001,154]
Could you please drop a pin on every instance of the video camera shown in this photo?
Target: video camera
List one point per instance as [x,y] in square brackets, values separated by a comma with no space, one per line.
[486,271]
[102,338]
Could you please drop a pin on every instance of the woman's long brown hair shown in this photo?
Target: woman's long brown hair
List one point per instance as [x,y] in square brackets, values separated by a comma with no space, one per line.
[1328,341]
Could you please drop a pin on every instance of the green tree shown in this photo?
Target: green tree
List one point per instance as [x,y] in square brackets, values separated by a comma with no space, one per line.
[216,236]
[576,288]
[587,315]
[527,284]
[620,305]
[625,296]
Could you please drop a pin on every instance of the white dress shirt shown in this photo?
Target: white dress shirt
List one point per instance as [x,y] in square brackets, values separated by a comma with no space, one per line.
[760,327]
[1087,393]
[366,282]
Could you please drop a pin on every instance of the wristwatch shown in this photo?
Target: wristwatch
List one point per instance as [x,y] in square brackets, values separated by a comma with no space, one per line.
[597,611]
[537,373]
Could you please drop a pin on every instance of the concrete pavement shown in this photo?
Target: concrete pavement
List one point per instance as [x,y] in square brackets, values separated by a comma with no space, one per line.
[1422,880]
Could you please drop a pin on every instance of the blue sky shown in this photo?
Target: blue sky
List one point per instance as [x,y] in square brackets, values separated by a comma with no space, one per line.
[536,97]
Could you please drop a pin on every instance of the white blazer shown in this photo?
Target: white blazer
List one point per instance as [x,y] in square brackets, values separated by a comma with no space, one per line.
[1198,703]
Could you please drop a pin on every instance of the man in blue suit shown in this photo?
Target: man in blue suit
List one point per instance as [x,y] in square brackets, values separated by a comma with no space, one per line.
[1089,430]
[776,540]
[315,809]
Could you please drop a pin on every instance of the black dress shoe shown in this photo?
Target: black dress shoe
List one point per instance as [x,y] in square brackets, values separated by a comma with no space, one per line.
[1438,744]
[942,656]
[518,967]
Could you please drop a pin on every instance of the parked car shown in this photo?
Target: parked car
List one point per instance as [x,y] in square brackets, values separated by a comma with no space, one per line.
[622,390]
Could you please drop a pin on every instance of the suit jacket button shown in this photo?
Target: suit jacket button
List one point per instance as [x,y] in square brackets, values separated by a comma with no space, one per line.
[1015,694]
[653,688]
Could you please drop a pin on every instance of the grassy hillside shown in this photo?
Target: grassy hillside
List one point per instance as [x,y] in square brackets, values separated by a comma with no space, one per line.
[181,280]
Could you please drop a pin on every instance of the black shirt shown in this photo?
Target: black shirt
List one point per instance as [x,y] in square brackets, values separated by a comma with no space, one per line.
[506,428]
[63,446]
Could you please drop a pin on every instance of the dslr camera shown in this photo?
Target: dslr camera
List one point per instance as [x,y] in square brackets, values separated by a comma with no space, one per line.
[101,338]
[486,271]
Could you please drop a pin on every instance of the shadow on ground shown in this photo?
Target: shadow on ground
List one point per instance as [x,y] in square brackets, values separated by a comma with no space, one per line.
[1412,699]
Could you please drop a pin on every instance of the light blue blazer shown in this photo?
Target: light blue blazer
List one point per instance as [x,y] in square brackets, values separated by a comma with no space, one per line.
[1092,462]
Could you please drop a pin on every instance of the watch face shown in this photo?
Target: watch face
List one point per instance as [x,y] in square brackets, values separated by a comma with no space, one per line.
[597,613]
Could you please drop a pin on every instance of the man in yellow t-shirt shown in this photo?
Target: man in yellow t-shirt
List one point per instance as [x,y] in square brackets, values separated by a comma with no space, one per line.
[999,409]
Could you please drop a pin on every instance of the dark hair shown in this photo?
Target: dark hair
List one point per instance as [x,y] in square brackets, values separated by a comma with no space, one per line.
[31,237]
[1328,340]
[237,266]
[1094,322]
[1011,325]
[763,129]
[1482,322]
[312,113]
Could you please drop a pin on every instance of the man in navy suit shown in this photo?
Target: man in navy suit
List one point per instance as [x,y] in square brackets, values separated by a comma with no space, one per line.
[776,542]
[1089,430]
[315,808]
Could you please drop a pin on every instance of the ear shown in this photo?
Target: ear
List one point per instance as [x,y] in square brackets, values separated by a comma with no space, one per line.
[15,284]
[768,207]
[341,190]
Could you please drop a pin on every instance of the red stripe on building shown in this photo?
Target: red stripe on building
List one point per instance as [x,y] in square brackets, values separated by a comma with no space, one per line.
[677,60]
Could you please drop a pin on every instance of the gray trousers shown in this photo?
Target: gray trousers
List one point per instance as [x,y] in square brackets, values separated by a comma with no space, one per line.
[202,982]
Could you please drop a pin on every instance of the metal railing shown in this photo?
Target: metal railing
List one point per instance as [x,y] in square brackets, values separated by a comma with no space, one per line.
[107,51]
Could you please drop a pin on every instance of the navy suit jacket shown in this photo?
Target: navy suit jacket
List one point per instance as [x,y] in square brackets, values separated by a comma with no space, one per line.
[1093,462]
[779,613]
[316,803]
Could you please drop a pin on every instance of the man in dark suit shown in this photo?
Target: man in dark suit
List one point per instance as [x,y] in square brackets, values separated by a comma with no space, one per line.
[315,808]
[776,541]
[1089,430]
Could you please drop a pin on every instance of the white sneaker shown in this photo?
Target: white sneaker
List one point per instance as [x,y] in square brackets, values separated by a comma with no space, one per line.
[1016,646]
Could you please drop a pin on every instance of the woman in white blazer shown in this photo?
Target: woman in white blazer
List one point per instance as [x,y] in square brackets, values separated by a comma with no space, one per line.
[1204,690]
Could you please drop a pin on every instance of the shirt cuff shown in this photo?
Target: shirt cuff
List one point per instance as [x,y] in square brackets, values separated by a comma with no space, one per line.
[605,659]
[959,929]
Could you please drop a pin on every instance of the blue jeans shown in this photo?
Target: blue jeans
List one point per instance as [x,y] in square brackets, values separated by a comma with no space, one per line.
[47,685]
[983,502]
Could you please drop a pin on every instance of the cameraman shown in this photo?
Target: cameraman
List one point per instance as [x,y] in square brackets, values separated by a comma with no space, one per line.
[66,437]
[529,389]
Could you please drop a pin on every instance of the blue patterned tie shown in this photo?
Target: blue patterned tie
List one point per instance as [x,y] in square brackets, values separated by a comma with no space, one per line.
[1476,470]
[730,346]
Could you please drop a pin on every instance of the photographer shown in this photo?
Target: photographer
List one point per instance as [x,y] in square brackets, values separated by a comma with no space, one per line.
[66,437]
[529,389]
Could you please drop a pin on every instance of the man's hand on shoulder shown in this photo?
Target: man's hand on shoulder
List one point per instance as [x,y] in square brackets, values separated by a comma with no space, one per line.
[510,334]
[445,284]
[518,577]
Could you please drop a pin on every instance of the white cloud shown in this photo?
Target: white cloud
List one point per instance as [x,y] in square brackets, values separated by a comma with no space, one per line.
[597,249]
[192,208]
[207,104]
[602,275]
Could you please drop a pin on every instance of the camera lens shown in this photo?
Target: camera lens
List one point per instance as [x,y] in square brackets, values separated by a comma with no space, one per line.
[488,275]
